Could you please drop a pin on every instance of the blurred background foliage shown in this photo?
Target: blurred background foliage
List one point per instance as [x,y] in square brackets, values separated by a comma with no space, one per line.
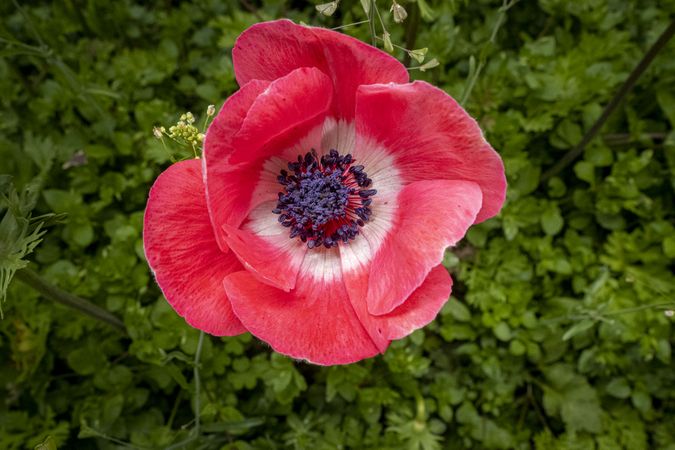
[560,331]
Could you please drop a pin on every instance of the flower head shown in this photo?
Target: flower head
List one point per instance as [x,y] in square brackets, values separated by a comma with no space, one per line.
[328,190]
[399,12]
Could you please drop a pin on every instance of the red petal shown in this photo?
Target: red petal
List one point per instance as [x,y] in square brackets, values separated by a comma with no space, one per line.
[432,215]
[228,122]
[446,144]
[217,149]
[183,254]
[419,309]
[282,112]
[273,259]
[270,50]
[314,322]
[416,311]
[285,108]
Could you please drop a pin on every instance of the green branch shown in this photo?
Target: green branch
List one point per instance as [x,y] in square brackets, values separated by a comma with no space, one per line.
[611,106]
[473,77]
[411,33]
[371,19]
[48,290]
[195,433]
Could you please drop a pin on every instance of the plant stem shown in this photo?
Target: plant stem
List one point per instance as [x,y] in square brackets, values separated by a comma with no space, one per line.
[195,432]
[48,290]
[350,25]
[371,19]
[611,106]
[198,355]
[411,32]
[506,5]
[618,312]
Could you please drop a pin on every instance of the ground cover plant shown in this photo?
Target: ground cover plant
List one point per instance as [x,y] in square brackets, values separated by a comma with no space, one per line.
[559,331]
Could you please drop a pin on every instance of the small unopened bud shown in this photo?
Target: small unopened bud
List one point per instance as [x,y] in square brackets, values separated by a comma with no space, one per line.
[418,54]
[669,313]
[429,65]
[327,9]
[388,46]
[157,132]
[398,12]
[211,110]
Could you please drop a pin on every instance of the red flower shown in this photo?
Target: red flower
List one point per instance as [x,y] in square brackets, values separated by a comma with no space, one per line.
[328,191]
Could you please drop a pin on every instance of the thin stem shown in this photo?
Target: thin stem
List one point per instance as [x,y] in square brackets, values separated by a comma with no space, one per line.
[29,22]
[350,25]
[618,312]
[115,440]
[48,290]
[206,122]
[411,32]
[611,106]
[393,45]
[379,16]
[371,20]
[195,432]
[506,5]
[39,51]
[198,355]
[252,9]
[174,410]
[627,138]
[533,402]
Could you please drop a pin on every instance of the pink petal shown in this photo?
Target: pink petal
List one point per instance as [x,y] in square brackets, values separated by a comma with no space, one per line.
[314,322]
[415,312]
[269,50]
[183,254]
[234,152]
[431,137]
[217,149]
[419,309]
[273,259]
[432,215]
[287,110]
[228,122]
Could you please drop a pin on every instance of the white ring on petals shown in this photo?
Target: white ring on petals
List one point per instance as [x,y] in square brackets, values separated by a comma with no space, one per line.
[322,264]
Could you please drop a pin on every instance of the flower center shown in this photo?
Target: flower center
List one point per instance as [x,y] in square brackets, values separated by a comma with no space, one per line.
[325,200]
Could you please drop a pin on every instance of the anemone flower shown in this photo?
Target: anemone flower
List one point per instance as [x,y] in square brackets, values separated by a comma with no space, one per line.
[329,188]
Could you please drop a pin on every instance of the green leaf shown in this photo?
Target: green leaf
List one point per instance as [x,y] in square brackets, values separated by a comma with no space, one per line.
[618,387]
[669,246]
[19,234]
[585,171]
[86,360]
[48,444]
[551,220]
[578,328]
[426,12]
[459,311]
[599,155]
[666,101]
[503,332]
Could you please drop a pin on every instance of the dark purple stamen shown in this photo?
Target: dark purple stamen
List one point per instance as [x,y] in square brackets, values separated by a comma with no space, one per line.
[325,200]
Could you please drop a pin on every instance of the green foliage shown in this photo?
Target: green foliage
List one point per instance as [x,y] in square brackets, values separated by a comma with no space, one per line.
[555,337]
